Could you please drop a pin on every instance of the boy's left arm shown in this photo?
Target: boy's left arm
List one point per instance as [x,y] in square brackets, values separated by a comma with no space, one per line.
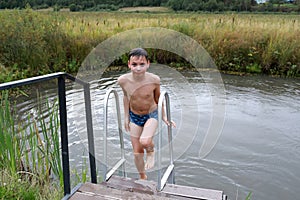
[164,116]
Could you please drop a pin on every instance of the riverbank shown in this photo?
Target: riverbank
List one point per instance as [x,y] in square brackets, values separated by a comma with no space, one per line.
[35,43]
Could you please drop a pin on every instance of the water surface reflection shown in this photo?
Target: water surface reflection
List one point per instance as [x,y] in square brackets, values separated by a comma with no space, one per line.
[259,148]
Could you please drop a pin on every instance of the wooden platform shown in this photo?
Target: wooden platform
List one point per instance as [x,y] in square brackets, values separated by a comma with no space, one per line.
[125,188]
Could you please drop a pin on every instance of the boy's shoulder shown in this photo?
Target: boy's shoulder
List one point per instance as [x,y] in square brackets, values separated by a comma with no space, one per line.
[153,77]
[123,78]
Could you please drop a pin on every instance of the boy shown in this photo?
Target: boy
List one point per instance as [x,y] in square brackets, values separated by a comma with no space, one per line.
[141,91]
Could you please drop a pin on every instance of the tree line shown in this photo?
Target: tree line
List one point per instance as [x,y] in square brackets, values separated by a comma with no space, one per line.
[235,5]
[177,5]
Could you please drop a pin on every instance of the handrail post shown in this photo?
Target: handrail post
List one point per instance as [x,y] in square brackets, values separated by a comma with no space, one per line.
[120,130]
[121,162]
[64,133]
[170,139]
[169,174]
[89,123]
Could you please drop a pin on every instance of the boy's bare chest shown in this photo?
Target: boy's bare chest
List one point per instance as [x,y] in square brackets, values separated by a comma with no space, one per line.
[141,90]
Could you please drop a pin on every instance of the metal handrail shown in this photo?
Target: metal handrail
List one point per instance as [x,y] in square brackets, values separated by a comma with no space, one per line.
[61,76]
[121,162]
[169,173]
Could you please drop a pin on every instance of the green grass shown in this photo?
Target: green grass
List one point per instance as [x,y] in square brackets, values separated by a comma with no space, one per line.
[29,154]
[34,43]
[10,146]
[248,197]
[26,186]
[146,9]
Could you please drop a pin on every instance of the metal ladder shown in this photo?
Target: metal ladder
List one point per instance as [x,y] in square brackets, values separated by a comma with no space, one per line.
[121,162]
[169,174]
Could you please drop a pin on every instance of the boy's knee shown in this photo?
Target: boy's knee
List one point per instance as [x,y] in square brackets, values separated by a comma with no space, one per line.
[146,142]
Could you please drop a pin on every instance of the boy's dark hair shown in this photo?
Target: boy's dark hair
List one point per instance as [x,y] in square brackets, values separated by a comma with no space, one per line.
[138,52]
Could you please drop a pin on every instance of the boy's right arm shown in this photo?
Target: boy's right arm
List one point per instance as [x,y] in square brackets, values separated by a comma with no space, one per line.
[126,112]
[121,82]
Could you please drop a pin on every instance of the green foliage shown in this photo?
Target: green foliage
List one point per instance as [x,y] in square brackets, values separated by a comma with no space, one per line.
[29,151]
[30,161]
[212,5]
[26,44]
[10,145]
[34,45]
[26,187]
[186,5]
[248,197]
[184,28]
[82,175]
[104,7]
[175,5]
[56,8]
[74,8]
[240,43]
[220,5]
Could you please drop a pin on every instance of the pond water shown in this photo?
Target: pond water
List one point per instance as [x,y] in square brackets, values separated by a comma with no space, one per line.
[258,150]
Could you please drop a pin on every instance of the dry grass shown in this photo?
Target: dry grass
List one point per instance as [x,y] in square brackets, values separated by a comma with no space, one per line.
[145,9]
[51,9]
[237,42]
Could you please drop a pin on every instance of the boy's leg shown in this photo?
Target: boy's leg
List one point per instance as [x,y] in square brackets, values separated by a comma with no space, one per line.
[138,150]
[146,141]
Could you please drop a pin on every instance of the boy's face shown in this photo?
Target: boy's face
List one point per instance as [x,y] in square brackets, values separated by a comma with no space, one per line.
[138,64]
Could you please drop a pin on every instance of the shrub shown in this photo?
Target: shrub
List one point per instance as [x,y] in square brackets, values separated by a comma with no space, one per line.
[74,8]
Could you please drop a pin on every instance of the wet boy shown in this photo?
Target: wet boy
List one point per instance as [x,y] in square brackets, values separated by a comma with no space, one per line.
[141,91]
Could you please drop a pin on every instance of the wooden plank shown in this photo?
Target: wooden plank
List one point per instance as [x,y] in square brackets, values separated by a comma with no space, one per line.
[193,192]
[170,190]
[126,188]
[86,196]
[90,191]
[138,185]
[132,185]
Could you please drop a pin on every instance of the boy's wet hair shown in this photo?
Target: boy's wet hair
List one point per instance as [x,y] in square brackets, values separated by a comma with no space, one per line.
[138,52]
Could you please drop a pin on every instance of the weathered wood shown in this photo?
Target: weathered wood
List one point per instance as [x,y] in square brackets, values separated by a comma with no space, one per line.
[132,185]
[127,188]
[90,191]
[193,192]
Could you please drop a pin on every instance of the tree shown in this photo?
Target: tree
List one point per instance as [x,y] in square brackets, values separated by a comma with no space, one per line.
[73,8]
[175,4]
[245,5]
[253,2]
[3,5]
[211,5]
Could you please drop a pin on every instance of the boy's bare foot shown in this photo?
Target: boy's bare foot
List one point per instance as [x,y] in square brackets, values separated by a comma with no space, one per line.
[150,160]
[143,176]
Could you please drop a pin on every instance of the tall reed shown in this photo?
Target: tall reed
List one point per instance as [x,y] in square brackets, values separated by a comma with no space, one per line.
[11,146]
[30,151]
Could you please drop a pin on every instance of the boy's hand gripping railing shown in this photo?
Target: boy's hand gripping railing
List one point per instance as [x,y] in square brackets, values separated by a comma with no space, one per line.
[121,162]
[169,173]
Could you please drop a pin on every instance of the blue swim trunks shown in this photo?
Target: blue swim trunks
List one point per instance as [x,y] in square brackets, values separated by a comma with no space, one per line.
[140,120]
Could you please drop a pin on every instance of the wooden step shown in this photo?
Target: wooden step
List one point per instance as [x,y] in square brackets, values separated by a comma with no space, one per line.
[192,192]
[90,191]
[126,188]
